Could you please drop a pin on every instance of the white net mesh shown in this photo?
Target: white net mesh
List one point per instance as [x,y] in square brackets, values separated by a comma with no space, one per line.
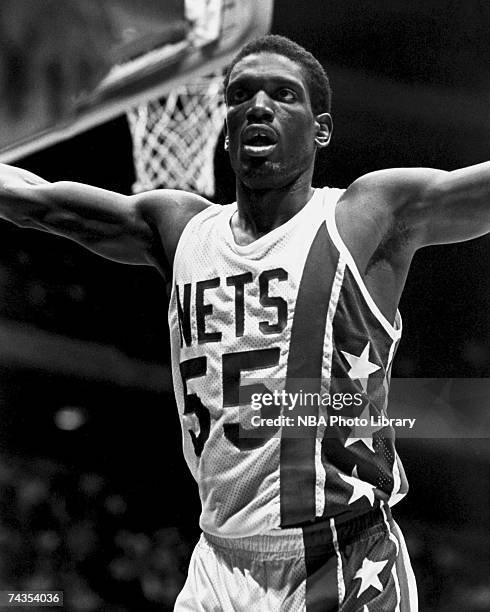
[174,138]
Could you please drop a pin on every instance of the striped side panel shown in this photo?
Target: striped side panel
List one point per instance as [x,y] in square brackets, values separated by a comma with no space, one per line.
[304,373]
[408,585]
[327,365]
[322,572]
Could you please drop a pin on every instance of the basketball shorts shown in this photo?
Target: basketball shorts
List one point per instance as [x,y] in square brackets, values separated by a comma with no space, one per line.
[361,565]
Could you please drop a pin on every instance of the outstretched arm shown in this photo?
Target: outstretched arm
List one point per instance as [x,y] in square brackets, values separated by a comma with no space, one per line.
[431,206]
[140,229]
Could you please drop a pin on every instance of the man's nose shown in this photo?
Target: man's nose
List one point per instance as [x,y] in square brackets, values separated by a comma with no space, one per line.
[261,108]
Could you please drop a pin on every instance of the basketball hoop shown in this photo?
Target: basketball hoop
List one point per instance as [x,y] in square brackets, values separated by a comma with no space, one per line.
[174,138]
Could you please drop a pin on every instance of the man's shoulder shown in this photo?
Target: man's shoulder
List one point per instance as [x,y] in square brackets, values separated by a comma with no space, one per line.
[383,208]
[391,186]
[167,212]
[170,205]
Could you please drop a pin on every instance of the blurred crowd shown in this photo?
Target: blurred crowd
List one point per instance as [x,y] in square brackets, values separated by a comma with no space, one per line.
[68,532]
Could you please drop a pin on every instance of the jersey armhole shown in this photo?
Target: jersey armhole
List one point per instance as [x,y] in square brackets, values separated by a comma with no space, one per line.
[394,330]
[188,230]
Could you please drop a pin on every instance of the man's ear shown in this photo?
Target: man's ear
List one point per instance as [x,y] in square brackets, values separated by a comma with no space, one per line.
[226,143]
[324,127]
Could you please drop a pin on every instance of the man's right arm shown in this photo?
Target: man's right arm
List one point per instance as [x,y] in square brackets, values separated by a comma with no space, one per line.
[139,229]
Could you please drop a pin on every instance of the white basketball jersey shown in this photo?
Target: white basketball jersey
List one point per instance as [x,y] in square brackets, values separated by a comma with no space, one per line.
[292,310]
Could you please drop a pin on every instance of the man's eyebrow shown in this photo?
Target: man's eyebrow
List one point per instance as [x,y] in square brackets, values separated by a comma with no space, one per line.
[276,79]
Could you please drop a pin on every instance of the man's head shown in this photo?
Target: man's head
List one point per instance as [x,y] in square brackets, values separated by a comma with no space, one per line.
[278,98]
[315,75]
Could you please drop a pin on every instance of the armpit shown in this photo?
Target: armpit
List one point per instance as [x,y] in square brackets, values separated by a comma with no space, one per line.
[397,242]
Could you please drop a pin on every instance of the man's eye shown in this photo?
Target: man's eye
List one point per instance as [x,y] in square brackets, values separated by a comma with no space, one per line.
[238,96]
[286,95]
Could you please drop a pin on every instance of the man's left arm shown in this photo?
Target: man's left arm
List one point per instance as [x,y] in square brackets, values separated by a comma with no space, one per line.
[433,206]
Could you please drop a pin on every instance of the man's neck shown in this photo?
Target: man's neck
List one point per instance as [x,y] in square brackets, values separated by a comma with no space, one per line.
[262,210]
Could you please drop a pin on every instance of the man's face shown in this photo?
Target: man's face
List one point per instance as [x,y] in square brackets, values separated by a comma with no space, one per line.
[270,123]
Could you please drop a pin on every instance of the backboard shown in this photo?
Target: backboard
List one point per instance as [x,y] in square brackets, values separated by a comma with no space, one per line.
[156,45]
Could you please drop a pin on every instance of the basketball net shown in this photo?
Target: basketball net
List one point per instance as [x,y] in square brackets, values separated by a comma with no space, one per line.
[174,138]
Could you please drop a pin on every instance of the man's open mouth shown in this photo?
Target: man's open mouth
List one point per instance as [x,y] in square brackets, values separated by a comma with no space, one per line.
[258,140]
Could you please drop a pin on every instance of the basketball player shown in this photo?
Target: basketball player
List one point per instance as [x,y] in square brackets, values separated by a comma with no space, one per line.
[300,287]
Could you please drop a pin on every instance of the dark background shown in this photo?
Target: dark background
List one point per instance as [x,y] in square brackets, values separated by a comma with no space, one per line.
[411,85]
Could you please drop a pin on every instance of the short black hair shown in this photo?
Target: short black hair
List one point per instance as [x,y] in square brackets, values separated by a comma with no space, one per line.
[316,76]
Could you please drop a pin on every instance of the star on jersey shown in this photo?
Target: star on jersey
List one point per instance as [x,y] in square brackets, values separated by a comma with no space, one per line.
[360,487]
[369,575]
[365,431]
[360,366]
